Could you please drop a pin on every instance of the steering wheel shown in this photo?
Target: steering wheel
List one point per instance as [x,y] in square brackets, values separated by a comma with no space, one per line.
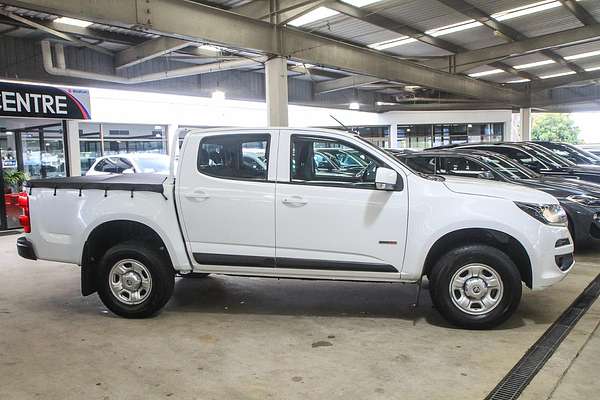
[364,173]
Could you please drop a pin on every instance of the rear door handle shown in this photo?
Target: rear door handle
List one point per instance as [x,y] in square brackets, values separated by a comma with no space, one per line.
[294,201]
[197,195]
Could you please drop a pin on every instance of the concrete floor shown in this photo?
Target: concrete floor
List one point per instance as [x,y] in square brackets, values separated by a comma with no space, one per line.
[246,338]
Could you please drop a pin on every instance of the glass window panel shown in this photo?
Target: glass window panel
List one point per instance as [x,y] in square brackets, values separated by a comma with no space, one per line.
[235,156]
[318,161]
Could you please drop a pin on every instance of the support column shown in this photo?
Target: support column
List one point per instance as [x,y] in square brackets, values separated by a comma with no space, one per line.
[72,147]
[525,126]
[393,136]
[171,133]
[276,91]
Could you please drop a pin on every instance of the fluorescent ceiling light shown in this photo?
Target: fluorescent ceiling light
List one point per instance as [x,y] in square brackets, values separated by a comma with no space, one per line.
[534,64]
[73,21]
[558,74]
[354,106]
[314,15]
[392,43]
[519,81]
[486,73]
[360,3]
[587,70]
[583,55]
[461,26]
[526,10]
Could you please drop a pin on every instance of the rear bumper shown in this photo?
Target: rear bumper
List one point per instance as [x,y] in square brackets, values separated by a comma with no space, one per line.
[25,249]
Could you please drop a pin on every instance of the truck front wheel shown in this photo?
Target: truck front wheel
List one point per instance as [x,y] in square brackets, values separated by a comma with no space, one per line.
[475,286]
[134,280]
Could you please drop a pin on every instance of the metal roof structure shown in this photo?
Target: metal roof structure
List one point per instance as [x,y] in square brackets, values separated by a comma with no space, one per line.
[414,54]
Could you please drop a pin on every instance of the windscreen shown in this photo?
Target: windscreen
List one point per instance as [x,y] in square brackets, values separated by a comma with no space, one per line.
[549,157]
[508,168]
[571,153]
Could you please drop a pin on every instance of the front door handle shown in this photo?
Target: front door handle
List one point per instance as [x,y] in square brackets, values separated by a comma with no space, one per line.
[198,195]
[295,201]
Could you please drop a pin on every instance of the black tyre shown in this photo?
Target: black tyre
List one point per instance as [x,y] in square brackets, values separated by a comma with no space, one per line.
[475,286]
[134,280]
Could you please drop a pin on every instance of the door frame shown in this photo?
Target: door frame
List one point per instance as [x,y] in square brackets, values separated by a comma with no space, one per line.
[19,153]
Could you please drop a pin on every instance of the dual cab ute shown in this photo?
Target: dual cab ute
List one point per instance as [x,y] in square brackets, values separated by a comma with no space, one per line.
[254,202]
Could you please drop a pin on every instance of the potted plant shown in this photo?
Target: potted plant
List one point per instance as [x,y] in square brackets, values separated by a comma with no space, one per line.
[13,181]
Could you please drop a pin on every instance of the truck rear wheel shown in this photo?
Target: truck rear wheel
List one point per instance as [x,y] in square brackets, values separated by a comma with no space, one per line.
[134,280]
[475,286]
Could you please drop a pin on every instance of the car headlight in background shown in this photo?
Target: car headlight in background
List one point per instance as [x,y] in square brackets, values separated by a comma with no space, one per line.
[549,214]
[584,199]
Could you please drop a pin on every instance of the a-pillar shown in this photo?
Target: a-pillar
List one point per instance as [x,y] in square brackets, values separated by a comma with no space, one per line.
[525,127]
[73,148]
[276,91]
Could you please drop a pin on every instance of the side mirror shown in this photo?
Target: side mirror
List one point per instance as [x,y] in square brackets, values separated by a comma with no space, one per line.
[486,175]
[385,178]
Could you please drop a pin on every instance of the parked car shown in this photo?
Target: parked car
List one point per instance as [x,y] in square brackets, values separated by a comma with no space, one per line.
[537,158]
[591,148]
[132,233]
[130,163]
[574,154]
[580,199]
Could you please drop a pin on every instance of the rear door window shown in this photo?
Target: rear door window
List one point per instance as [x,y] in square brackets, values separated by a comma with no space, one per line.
[235,156]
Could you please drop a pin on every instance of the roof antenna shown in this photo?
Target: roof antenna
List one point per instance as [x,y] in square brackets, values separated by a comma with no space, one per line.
[354,131]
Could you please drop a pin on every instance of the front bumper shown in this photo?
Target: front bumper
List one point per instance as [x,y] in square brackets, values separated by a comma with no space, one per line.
[585,228]
[554,256]
[25,248]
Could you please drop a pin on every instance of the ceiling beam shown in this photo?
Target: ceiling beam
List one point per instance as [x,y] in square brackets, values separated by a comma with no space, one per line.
[405,30]
[148,50]
[443,107]
[465,61]
[392,25]
[566,80]
[77,31]
[579,12]
[304,70]
[286,10]
[560,100]
[346,82]
[192,21]
[53,32]
[506,31]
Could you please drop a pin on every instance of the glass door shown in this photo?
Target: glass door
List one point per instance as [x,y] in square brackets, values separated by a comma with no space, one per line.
[42,151]
[38,151]
[9,209]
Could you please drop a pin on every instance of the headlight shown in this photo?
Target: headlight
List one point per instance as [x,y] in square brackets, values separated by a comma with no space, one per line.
[584,199]
[550,214]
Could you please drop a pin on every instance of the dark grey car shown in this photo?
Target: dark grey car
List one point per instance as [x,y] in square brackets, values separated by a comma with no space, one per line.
[580,199]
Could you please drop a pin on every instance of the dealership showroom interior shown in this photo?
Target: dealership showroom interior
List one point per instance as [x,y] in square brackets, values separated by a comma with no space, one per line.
[300,199]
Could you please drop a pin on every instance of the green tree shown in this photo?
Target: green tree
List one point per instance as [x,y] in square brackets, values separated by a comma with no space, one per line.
[556,128]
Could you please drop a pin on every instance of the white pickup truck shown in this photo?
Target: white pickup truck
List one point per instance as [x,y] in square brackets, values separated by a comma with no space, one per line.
[298,203]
